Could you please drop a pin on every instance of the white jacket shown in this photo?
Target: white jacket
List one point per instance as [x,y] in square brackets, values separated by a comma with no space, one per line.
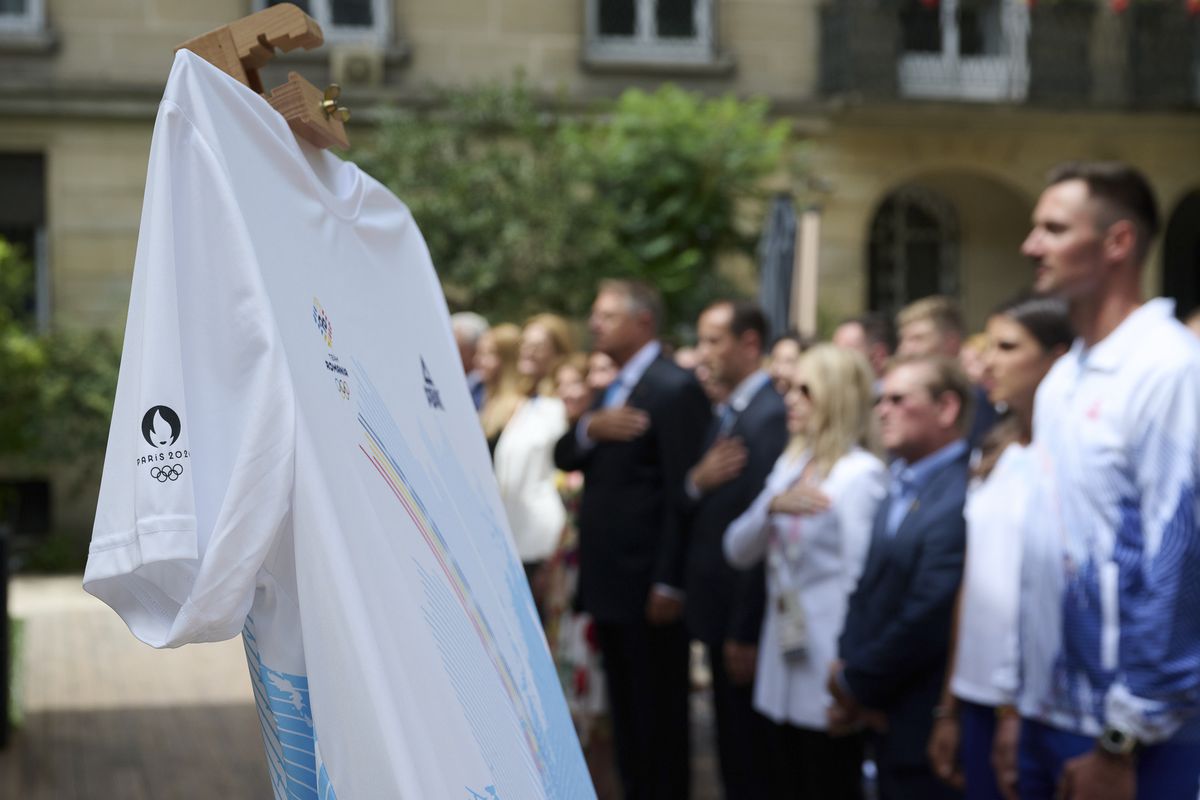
[525,471]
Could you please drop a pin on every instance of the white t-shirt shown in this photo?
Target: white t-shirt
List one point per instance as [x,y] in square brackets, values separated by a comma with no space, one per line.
[294,453]
[985,667]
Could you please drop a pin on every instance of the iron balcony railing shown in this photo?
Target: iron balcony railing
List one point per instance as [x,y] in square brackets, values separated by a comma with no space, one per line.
[1055,53]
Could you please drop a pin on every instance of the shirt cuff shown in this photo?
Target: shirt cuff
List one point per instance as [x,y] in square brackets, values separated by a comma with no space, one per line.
[691,489]
[1148,721]
[667,590]
[581,437]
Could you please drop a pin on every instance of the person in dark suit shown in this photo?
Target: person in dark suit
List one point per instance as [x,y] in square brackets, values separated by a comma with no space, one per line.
[634,449]
[892,652]
[724,607]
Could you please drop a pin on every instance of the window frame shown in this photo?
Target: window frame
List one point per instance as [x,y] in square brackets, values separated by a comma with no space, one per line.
[949,75]
[888,288]
[32,22]
[645,45]
[378,33]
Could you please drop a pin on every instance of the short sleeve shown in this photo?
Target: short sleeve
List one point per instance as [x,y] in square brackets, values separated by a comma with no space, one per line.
[198,473]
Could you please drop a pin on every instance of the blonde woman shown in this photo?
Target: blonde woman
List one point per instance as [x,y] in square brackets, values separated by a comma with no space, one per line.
[524,456]
[812,524]
[496,361]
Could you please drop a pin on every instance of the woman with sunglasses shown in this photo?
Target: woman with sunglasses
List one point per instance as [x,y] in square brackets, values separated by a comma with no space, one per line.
[812,525]
[974,738]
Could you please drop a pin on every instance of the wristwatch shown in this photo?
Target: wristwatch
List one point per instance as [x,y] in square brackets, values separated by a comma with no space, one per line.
[1116,742]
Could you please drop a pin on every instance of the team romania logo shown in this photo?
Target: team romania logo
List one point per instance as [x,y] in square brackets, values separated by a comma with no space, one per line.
[324,326]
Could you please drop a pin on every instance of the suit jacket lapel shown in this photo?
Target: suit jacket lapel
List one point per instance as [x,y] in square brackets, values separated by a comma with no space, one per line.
[913,514]
[710,433]
[880,543]
[640,388]
[737,428]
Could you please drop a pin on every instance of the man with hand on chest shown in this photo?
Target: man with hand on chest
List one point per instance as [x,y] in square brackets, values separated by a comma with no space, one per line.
[634,450]
[725,605]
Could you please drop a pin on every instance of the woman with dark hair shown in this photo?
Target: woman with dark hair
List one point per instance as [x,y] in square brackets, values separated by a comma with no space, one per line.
[974,737]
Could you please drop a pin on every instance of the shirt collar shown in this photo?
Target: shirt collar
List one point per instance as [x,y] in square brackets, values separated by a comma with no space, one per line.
[1123,343]
[913,477]
[636,367]
[745,391]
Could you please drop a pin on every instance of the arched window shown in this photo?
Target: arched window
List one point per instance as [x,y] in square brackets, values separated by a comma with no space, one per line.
[914,249]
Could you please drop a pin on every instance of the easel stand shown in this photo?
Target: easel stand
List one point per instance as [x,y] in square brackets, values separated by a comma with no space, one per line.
[243,47]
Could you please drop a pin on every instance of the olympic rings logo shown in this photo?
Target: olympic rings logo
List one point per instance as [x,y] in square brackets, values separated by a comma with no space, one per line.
[324,325]
[168,473]
[343,388]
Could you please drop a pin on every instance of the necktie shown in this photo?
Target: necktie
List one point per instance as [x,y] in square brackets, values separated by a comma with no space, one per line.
[727,417]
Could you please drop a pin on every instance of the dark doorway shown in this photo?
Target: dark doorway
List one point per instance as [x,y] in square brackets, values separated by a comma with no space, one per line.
[914,249]
[1181,255]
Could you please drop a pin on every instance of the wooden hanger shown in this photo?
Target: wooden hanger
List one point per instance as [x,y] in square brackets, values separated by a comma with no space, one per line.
[243,47]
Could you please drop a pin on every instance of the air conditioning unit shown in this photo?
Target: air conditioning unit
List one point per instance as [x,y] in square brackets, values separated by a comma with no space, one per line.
[356,65]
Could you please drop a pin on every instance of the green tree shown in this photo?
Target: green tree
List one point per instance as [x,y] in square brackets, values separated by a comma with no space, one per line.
[676,167]
[511,232]
[524,211]
[22,360]
[56,396]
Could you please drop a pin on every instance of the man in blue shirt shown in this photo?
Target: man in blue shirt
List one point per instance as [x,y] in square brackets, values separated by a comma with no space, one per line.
[897,631]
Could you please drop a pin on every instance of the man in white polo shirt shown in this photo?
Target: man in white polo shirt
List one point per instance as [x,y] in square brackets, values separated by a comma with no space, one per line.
[1110,609]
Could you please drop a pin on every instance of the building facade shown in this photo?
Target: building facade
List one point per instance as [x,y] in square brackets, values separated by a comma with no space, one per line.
[928,127]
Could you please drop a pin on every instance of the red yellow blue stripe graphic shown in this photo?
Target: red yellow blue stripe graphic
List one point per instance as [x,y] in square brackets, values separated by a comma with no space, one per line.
[376,452]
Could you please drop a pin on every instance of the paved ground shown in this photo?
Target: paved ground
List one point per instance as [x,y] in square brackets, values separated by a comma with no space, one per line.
[107,718]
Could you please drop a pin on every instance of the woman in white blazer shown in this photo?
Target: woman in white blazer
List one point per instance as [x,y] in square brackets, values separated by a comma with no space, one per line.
[524,458]
[812,523]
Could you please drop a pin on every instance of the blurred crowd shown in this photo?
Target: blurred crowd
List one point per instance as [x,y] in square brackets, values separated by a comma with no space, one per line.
[966,560]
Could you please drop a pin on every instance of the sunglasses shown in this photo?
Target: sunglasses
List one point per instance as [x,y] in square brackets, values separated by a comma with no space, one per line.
[895,399]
